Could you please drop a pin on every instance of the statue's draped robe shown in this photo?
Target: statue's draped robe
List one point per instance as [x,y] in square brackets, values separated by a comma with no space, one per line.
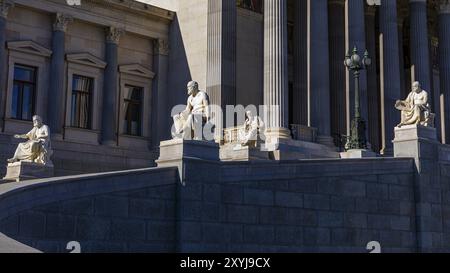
[412,112]
[38,147]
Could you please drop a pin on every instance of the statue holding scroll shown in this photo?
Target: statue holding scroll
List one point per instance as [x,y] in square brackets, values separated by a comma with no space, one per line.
[37,148]
[415,109]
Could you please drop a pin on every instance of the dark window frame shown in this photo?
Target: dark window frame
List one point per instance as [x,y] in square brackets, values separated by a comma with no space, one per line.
[78,106]
[127,119]
[21,83]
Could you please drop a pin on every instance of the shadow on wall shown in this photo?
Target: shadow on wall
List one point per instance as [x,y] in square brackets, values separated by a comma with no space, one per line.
[179,72]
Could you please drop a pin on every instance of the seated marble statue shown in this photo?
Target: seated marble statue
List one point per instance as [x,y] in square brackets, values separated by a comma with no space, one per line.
[189,123]
[254,126]
[415,109]
[37,148]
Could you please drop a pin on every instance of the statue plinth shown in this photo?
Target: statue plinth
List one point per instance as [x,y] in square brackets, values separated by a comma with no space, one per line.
[415,132]
[358,153]
[242,153]
[20,171]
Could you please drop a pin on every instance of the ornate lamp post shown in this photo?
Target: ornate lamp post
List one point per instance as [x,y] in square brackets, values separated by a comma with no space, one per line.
[357,140]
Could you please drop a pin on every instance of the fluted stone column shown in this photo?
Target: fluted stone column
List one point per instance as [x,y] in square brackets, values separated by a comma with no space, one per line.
[444,62]
[160,123]
[221,59]
[390,73]
[55,109]
[419,44]
[337,69]
[373,94]
[356,36]
[276,69]
[5,6]
[318,70]
[110,90]
[300,95]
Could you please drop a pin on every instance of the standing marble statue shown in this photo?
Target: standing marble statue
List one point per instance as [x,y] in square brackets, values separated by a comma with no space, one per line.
[37,148]
[189,123]
[415,109]
[254,126]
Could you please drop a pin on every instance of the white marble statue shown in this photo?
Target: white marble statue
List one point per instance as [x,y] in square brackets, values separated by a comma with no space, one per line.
[415,109]
[189,123]
[37,149]
[254,126]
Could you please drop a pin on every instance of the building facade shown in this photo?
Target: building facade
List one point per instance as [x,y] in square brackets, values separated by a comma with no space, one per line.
[103,78]
[93,72]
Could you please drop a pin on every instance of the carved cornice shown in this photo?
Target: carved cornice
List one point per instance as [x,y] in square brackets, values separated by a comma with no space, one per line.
[113,34]
[61,22]
[5,6]
[161,47]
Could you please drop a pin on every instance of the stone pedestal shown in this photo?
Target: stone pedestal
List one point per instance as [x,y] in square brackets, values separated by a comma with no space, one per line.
[173,152]
[242,153]
[358,154]
[418,142]
[20,171]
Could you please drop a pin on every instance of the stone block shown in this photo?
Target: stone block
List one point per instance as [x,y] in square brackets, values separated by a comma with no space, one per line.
[21,171]
[242,153]
[213,233]
[93,228]
[303,217]
[331,219]
[274,216]
[316,236]
[32,224]
[258,197]
[343,203]
[174,151]
[355,220]
[402,223]
[60,226]
[289,199]
[127,230]
[259,234]
[377,191]
[111,206]
[242,214]
[161,231]
[190,231]
[317,201]
[352,154]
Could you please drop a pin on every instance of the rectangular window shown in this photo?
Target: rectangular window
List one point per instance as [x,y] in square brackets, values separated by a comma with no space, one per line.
[81,102]
[24,92]
[133,110]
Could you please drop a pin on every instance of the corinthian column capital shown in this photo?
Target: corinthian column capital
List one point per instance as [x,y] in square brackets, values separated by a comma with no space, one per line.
[5,6]
[113,34]
[61,22]
[444,6]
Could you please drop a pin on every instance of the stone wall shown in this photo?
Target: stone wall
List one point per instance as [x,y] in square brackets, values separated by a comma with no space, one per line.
[298,206]
[132,211]
[313,206]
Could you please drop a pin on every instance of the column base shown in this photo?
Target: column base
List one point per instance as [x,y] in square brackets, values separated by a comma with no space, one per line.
[288,149]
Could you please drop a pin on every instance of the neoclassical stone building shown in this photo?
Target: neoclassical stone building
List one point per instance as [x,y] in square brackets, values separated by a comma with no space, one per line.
[105,75]
[94,72]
